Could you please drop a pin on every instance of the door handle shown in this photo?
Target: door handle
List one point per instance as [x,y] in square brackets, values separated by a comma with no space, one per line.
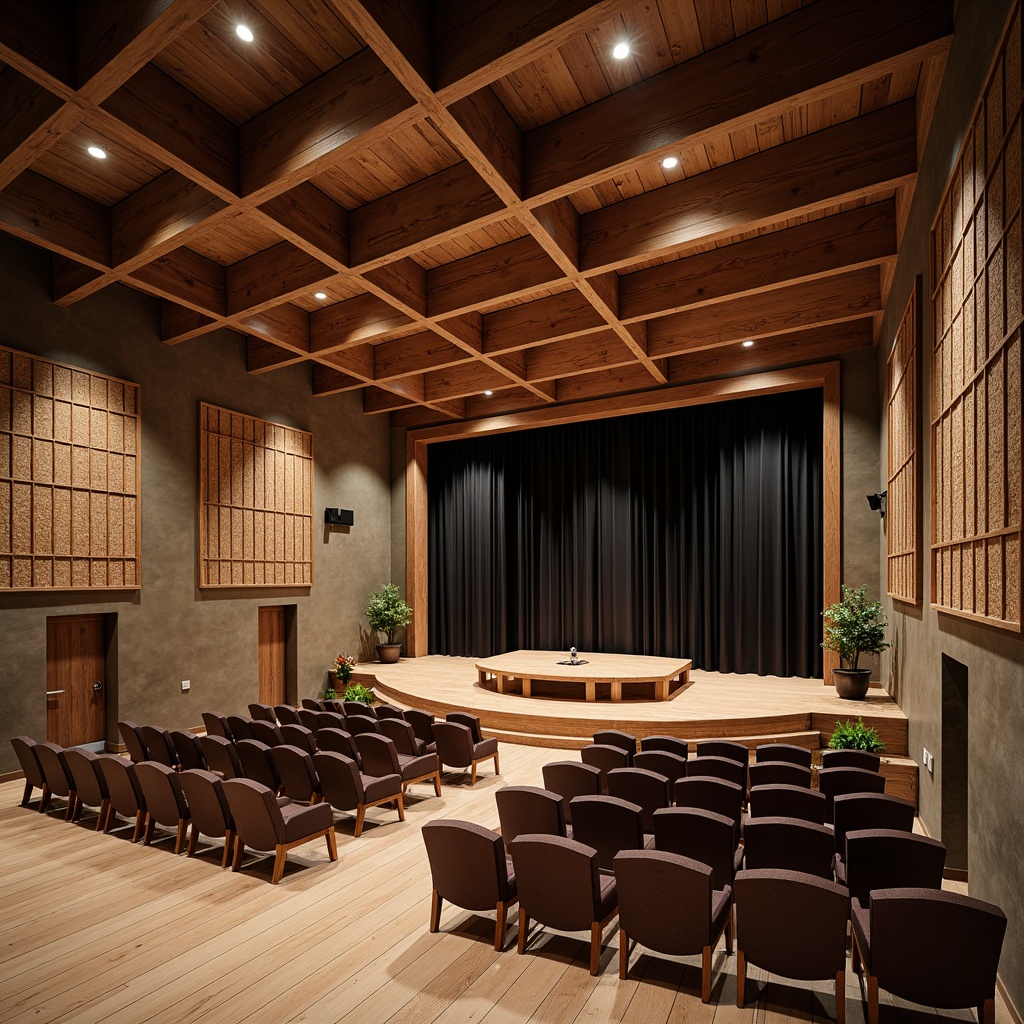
[97,686]
[53,693]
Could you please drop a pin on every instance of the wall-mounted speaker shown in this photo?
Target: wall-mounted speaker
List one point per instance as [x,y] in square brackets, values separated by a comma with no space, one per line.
[339,517]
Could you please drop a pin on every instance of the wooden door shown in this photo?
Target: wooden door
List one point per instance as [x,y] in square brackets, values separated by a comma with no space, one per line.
[272,655]
[75,680]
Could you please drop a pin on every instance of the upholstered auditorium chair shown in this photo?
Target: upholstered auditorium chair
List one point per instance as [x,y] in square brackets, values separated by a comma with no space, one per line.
[787,802]
[90,785]
[851,759]
[724,748]
[329,720]
[388,711]
[266,732]
[528,809]
[702,835]
[672,766]
[346,789]
[312,704]
[59,781]
[404,737]
[358,724]
[239,727]
[126,796]
[868,810]
[931,947]
[706,793]
[188,749]
[262,713]
[833,782]
[160,745]
[133,741]
[640,786]
[358,707]
[472,722]
[883,858]
[617,738]
[24,748]
[286,715]
[783,752]
[608,825]
[715,767]
[299,736]
[208,806]
[298,774]
[380,757]
[216,725]
[561,886]
[669,904]
[337,706]
[257,760]
[604,757]
[422,723]
[794,925]
[339,741]
[469,868]
[788,843]
[221,756]
[261,823]
[308,718]
[779,773]
[672,744]
[457,749]
[165,801]
[571,779]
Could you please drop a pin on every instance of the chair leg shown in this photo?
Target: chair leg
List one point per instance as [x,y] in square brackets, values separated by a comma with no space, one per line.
[500,923]
[497,770]
[840,997]
[472,774]
[229,841]
[140,819]
[437,783]
[595,947]
[401,807]
[705,975]
[44,800]
[728,934]
[69,814]
[332,844]
[236,863]
[987,1011]
[436,900]
[26,796]
[280,856]
[360,814]
[101,819]
[741,978]
[872,998]
[150,825]
[193,842]
[623,954]
[524,927]
[179,843]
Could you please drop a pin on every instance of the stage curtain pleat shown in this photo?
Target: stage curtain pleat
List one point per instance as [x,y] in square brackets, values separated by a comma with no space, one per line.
[691,532]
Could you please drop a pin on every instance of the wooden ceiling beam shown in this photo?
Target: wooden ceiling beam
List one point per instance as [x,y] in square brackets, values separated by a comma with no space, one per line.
[416,354]
[357,361]
[405,281]
[845,241]
[39,43]
[847,161]
[818,50]
[31,121]
[602,383]
[808,304]
[73,280]
[352,322]
[327,381]
[490,130]
[304,215]
[463,381]
[185,277]
[594,351]
[533,323]
[179,323]
[272,276]
[262,356]
[285,326]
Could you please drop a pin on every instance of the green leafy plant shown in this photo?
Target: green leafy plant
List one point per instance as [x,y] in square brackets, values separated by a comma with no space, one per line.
[330,693]
[387,612]
[854,626]
[356,691]
[848,736]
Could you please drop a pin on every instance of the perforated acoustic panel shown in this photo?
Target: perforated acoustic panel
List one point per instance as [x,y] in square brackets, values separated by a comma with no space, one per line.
[69,477]
[256,502]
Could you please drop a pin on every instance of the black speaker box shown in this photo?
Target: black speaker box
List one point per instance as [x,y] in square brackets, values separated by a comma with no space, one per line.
[339,517]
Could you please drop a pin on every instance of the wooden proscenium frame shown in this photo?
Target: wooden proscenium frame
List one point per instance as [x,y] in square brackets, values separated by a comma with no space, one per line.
[818,375]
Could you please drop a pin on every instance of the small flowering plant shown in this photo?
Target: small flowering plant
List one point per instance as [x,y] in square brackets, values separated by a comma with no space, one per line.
[343,666]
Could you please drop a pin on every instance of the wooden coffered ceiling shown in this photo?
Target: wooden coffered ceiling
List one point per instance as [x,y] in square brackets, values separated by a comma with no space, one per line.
[476,185]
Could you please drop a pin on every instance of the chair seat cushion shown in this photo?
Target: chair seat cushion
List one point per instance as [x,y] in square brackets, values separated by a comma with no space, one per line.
[609,896]
[485,748]
[382,787]
[417,767]
[301,821]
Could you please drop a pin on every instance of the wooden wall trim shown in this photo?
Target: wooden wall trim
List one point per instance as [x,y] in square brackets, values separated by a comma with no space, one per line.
[820,375]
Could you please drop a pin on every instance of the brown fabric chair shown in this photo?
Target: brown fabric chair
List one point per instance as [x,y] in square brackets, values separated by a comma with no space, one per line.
[330,720]
[266,732]
[649,790]
[388,711]
[883,858]
[724,748]
[788,843]
[360,724]
[312,704]
[216,725]
[239,727]
[672,744]
[133,741]
[687,917]
[337,706]
[262,713]
[706,793]
[165,801]
[24,748]
[286,715]
[221,756]
[562,887]
[851,759]
[358,707]
[422,723]
[664,762]
[299,736]
[380,758]
[208,806]
[257,760]
[160,745]
[59,781]
[263,824]
[298,774]
[571,779]
[341,742]
[90,785]
[787,802]
[528,810]
[779,773]
[469,868]
[309,719]
[833,782]
[928,946]
[345,788]
[608,825]
[188,749]
[404,737]
[715,767]
[605,758]
[457,749]
[126,796]
[794,925]
[471,722]
[616,738]
[869,810]
[783,752]
[704,836]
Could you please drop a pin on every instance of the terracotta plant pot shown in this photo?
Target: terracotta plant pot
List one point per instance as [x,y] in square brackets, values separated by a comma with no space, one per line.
[851,683]
[388,654]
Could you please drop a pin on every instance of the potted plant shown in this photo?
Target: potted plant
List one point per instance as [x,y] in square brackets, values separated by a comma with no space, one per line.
[853,626]
[388,613]
[848,736]
[356,691]
[343,665]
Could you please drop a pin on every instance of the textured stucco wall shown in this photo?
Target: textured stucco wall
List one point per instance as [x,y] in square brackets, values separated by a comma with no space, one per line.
[170,630]
[994,659]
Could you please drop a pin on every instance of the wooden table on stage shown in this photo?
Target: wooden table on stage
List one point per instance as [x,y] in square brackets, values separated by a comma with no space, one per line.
[617,669]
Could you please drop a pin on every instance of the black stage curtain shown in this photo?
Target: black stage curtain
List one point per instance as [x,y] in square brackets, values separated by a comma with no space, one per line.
[692,533]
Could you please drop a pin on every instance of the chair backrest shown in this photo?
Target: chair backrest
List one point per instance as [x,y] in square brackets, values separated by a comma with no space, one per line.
[299,736]
[126,794]
[702,835]
[664,762]
[377,754]
[524,810]
[885,858]
[207,803]
[358,724]
[718,768]
[160,744]
[298,775]
[257,816]
[340,781]
[787,802]
[791,923]
[779,773]
[664,900]
[309,718]
[953,956]
[604,758]
[454,744]
[558,879]
[358,707]
[188,749]
[286,715]
[55,768]
[608,825]
[216,725]
[162,790]
[467,864]
[833,782]
[706,793]
[388,711]
[84,766]
[330,720]
[337,706]
[339,741]
[638,785]
[401,733]
[724,748]
[312,704]
[471,722]
[133,741]
[262,713]
[851,759]
[422,723]
[783,752]
[616,738]
[570,779]
[240,727]
[788,843]
[221,756]
[672,744]
[24,748]
[257,764]
[266,732]
[870,810]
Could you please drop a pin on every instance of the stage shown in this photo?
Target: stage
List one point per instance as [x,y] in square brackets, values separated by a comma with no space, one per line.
[747,708]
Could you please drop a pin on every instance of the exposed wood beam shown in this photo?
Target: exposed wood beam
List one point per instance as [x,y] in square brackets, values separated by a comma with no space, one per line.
[73,280]
[532,323]
[304,214]
[595,351]
[353,322]
[415,354]
[39,44]
[602,383]
[31,120]
[462,381]
[847,161]
[185,277]
[404,280]
[378,400]
[357,361]
[490,129]
[179,323]
[330,382]
[261,356]
[285,326]
[273,275]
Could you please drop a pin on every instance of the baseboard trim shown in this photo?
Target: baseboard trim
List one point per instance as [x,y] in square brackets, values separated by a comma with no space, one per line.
[11,776]
[1014,1012]
[955,874]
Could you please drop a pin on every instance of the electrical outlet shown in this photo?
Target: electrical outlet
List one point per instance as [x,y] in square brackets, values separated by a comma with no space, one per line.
[186,685]
[928,760]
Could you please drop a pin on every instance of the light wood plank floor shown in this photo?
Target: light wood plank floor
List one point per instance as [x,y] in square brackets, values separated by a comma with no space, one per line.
[96,929]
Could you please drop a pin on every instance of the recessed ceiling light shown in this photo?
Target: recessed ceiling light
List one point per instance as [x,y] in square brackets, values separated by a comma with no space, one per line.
[488,393]
[244,32]
[748,343]
[97,152]
[319,295]
[620,51]
[669,162]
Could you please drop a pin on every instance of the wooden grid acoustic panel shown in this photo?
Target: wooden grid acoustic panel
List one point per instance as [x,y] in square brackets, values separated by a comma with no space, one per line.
[976,359]
[69,477]
[256,502]
[901,504]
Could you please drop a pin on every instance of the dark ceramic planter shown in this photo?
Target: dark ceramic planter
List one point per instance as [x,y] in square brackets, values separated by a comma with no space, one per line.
[851,683]
[388,654]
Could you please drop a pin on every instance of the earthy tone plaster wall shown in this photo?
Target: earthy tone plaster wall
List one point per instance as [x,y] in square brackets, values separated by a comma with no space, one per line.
[170,630]
[994,659]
